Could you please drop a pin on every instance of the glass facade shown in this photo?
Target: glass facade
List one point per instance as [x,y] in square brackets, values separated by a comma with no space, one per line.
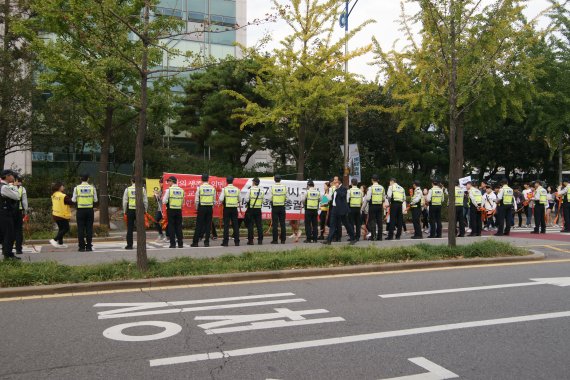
[210,27]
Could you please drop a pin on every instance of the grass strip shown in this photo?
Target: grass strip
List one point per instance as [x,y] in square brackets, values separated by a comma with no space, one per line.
[46,273]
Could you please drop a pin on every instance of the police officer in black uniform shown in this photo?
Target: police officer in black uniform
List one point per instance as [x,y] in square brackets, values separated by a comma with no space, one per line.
[9,198]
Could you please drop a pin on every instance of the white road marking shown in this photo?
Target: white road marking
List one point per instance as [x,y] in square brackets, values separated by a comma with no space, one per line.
[559,281]
[352,339]
[150,305]
[116,332]
[435,372]
[202,308]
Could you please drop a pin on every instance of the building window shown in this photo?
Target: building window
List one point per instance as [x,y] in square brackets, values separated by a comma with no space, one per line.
[222,35]
[223,7]
[198,6]
[169,12]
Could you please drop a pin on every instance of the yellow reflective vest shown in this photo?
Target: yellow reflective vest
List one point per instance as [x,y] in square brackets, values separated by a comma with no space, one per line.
[255,197]
[377,194]
[231,194]
[175,197]
[278,195]
[436,196]
[507,196]
[59,208]
[313,198]
[459,195]
[355,197]
[398,193]
[85,196]
[207,194]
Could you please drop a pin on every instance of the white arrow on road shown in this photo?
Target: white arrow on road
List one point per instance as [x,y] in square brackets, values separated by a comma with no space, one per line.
[558,281]
[435,372]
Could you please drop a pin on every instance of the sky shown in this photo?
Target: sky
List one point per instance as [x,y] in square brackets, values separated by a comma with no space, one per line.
[386,29]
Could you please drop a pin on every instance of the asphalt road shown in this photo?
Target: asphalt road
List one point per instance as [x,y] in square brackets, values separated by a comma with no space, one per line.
[314,328]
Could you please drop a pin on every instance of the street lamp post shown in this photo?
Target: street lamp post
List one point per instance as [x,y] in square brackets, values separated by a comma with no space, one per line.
[344,23]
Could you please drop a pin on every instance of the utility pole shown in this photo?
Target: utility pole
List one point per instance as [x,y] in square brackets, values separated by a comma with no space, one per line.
[344,24]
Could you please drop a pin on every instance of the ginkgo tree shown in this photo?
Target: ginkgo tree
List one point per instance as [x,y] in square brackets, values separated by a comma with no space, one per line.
[302,81]
[464,50]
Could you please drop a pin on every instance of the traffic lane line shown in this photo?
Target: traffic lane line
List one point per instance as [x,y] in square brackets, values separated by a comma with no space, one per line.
[174,287]
[351,339]
[557,249]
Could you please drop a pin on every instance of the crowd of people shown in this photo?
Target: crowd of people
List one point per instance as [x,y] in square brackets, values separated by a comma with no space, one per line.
[362,210]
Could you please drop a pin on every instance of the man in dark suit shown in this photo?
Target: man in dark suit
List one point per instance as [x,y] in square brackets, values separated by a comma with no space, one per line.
[340,212]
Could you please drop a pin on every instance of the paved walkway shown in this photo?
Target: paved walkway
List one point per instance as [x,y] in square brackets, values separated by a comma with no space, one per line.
[554,244]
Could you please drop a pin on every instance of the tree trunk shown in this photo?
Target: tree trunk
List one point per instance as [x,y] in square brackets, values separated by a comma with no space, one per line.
[301,152]
[104,166]
[453,146]
[142,259]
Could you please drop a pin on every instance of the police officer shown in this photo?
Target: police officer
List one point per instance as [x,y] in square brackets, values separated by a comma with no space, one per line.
[230,198]
[19,213]
[396,195]
[85,196]
[355,197]
[435,200]
[311,203]
[9,198]
[130,210]
[459,200]
[540,202]
[475,202]
[416,206]
[564,193]
[173,198]
[278,199]
[254,201]
[204,200]
[375,200]
[505,200]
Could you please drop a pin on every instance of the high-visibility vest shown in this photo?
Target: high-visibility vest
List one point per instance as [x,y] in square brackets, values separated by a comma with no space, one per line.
[458,196]
[20,193]
[85,195]
[206,194]
[132,196]
[59,208]
[418,193]
[507,195]
[313,198]
[436,196]
[566,197]
[231,194]
[175,197]
[377,194]
[255,197]
[355,197]
[475,193]
[398,193]
[542,193]
[278,195]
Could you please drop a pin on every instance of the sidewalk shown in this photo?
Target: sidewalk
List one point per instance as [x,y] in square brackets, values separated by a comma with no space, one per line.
[111,251]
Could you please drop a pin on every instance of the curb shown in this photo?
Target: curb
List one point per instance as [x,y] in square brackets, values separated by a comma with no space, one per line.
[43,290]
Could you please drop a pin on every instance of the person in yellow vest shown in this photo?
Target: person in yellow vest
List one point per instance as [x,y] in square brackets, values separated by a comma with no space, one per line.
[230,198]
[396,195]
[475,203]
[204,201]
[130,210]
[375,198]
[540,204]
[173,198]
[564,194]
[323,218]
[505,203]
[416,205]
[278,200]
[85,197]
[19,213]
[61,213]
[354,199]
[311,201]
[254,202]
[435,200]
[459,201]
